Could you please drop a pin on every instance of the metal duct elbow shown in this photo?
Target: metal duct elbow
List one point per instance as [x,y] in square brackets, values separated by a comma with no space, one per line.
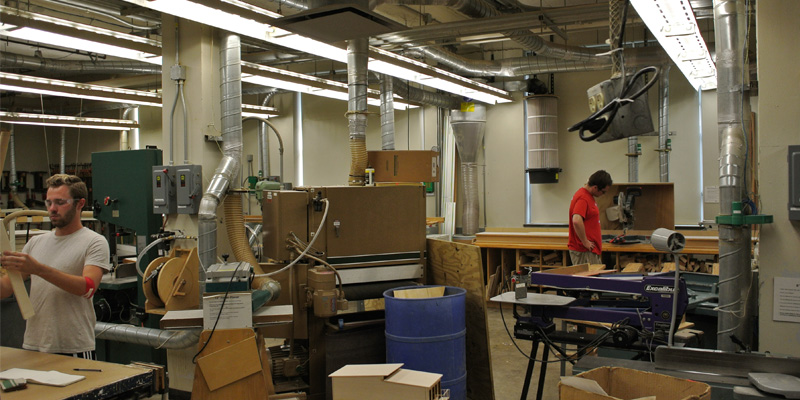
[149,337]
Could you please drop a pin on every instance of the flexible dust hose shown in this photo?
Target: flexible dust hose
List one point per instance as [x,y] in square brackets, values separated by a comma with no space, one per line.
[149,337]
[358,164]
[234,223]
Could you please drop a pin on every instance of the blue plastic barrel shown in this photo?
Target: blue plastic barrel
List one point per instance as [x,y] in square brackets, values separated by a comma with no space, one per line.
[429,335]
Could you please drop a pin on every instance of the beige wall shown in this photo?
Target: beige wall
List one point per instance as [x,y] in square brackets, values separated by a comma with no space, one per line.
[777,33]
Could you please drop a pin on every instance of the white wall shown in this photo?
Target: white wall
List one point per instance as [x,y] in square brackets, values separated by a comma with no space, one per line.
[779,101]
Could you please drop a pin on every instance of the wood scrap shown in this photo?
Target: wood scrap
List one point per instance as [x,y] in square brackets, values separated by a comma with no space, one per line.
[633,268]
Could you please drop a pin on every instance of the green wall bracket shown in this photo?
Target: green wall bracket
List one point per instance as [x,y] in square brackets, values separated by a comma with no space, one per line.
[737,218]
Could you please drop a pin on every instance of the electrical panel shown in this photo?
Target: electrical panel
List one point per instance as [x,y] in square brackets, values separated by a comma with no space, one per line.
[632,119]
[189,188]
[794,183]
[164,189]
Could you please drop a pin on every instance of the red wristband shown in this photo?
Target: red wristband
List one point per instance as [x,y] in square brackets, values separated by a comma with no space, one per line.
[90,288]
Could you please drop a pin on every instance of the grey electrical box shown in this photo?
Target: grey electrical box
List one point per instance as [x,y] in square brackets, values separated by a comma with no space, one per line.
[164,189]
[189,182]
[794,183]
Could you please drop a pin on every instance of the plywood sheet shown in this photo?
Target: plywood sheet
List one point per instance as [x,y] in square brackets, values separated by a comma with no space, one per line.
[252,386]
[460,265]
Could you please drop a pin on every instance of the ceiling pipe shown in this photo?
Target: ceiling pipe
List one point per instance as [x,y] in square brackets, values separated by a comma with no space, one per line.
[406,91]
[387,113]
[18,61]
[531,65]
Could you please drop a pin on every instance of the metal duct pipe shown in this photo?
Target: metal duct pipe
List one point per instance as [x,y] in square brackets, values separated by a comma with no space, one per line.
[735,297]
[265,122]
[88,8]
[155,338]
[297,137]
[228,168]
[633,159]
[532,65]
[409,93]
[16,61]
[63,152]
[663,124]
[387,113]
[357,82]
[468,129]
[528,40]
[131,113]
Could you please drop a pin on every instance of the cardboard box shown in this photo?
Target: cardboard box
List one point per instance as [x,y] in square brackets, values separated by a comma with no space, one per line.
[404,165]
[384,381]
[612,383]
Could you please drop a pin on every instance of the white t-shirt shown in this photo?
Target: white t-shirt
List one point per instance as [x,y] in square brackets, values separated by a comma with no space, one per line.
[64,322]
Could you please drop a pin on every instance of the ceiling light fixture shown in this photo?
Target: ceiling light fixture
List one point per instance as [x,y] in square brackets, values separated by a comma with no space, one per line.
[67,121]
[59,32]
[244,21]
[54,87]
[296,82]
[672,22]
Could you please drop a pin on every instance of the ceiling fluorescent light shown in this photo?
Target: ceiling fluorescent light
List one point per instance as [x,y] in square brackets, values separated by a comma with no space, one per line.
[672,22]
[249,110]
[67,121]
[63,33]
[296,82]
[380,61]
[54,87]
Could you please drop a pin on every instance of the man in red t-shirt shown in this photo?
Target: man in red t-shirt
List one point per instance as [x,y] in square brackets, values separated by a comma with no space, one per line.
[585,239]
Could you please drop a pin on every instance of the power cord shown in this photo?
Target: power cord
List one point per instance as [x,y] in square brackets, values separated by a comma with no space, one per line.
[219,314]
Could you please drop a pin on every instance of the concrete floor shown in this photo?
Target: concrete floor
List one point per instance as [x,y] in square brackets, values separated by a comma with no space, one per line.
[509,365]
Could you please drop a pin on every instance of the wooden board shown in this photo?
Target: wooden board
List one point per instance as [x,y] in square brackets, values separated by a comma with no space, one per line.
[460,265]
[655,208]
[230,364]
[421,293]
[20,292]
[252,386]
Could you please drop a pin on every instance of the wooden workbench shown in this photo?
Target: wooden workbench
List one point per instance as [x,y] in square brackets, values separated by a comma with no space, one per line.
[504,249]
[115,379]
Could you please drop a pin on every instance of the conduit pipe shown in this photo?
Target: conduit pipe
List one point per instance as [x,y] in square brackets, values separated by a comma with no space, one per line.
[13,175]
[387,113]
[263,142]
[265,122]
[663,124]
[735,280]
[149,337]
[357,108]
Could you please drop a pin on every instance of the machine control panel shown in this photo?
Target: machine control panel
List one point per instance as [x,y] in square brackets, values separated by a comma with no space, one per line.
[189,188]
[164,189]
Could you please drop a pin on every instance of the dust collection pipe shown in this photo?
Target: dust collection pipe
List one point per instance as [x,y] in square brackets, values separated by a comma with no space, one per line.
[263,142]
[736,298]
[387,113]
[663,124]
[440,100]
[16,61]
[149,337]
[265,122]
[357,108]
[468,129]
[228,168]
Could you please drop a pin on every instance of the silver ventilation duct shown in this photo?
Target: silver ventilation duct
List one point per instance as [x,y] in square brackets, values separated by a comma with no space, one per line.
[735,277]
[228,168]
[387,113]
[15,61]
[149,337]
[663,124]
[468,129]
[357,83]
[404,90]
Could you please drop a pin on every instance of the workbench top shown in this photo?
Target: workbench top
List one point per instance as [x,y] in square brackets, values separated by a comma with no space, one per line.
[113,380]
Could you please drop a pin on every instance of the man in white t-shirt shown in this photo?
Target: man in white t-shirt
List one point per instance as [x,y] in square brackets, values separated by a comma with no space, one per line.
[65,266]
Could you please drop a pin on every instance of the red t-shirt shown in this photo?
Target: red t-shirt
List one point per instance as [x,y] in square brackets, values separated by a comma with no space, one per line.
[584,205]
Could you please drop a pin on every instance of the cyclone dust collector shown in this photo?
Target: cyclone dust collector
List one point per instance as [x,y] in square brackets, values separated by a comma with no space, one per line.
[469,126]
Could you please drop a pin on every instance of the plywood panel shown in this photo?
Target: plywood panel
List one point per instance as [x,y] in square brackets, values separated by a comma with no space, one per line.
[459,265]
[251,387]
[655,208]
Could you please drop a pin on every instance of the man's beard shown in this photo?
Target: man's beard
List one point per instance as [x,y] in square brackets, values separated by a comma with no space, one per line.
[66,218]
